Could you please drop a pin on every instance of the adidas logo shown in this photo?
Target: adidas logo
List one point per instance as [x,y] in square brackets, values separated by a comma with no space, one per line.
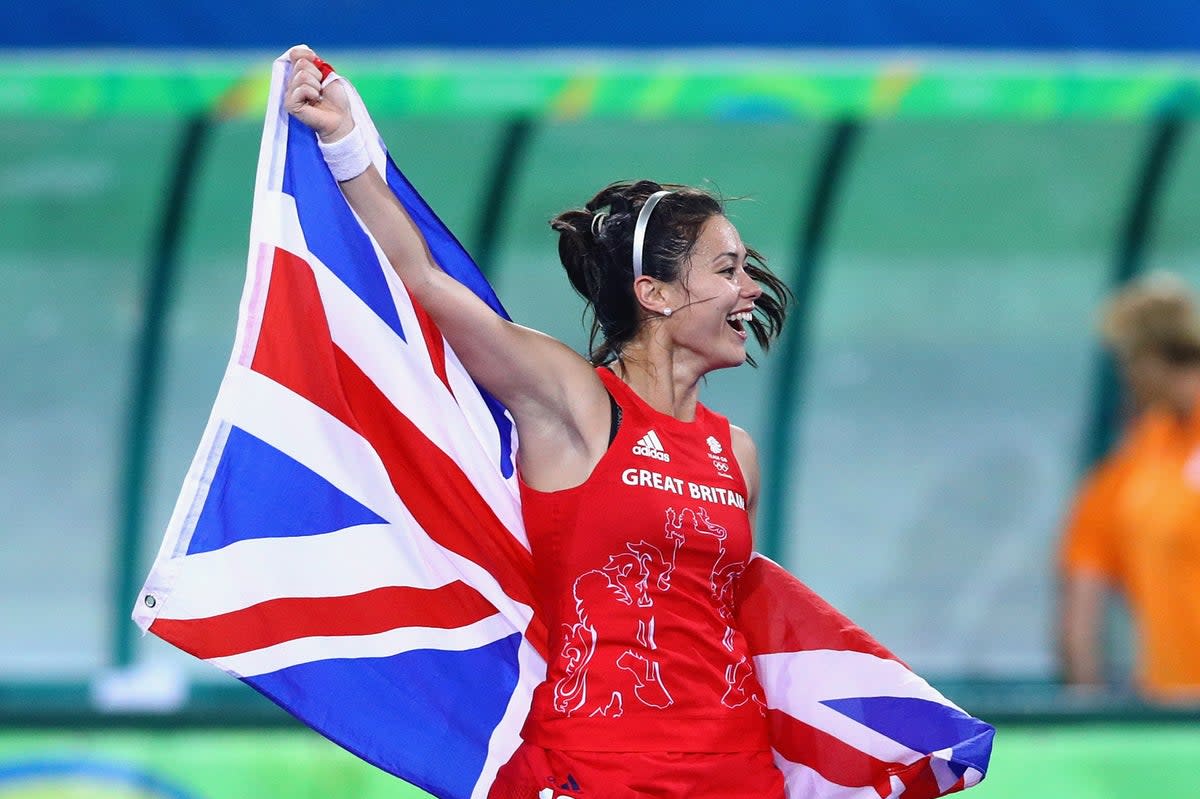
[570,785]
[651,447]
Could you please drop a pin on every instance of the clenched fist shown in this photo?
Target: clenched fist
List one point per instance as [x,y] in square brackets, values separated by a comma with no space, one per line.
[324,109]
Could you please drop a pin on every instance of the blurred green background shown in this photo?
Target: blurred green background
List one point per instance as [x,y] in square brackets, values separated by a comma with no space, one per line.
[1092,762]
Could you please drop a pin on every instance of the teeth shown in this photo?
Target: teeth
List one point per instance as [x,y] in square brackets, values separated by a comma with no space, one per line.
[744,316]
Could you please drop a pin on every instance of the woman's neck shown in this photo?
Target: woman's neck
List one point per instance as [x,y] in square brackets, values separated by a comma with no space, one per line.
[661,381]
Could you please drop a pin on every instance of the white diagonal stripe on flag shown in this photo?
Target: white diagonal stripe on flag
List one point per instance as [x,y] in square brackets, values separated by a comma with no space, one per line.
[386,644]
[340,563]
[799,682]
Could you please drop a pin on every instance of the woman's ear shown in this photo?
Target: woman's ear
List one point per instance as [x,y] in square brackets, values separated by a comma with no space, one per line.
[652,295]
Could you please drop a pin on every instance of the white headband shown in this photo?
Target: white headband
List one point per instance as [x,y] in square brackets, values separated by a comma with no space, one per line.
[639,230]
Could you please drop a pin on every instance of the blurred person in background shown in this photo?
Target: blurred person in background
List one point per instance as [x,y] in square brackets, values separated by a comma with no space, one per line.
[1134,528]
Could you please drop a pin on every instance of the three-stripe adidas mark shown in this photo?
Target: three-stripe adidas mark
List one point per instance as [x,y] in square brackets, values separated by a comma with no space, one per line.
[651,447]
[570,785]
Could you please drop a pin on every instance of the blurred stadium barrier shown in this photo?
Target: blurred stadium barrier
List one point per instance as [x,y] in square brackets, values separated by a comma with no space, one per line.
[949,226]
[1082,762]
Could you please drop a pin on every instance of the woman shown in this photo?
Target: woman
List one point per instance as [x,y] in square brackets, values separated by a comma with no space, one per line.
[638,501]
[1134,528]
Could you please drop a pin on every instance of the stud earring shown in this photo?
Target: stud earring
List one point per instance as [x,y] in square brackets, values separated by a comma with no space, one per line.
[666,311]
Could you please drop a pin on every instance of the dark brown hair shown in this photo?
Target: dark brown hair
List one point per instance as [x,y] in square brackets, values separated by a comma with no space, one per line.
[596,249]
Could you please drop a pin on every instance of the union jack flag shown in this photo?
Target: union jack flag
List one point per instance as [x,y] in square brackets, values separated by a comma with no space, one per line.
[348,539]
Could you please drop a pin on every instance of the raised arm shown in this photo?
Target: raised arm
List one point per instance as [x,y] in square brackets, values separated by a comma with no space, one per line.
[557,401]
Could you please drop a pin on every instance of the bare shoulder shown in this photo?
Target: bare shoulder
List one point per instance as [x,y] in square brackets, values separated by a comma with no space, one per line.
[743,443]
[746,452]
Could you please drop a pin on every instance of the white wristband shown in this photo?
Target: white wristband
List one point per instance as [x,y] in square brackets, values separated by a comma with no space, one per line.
[347,157]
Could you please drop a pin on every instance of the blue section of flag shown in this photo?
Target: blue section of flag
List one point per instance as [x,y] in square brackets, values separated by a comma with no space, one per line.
[504,429]
[922,725]
[446,249]
[432,706]
[259,492]
[975,751]
[457,262]
[330,229]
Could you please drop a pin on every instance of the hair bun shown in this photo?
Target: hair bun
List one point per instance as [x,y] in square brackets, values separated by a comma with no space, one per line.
[598,224]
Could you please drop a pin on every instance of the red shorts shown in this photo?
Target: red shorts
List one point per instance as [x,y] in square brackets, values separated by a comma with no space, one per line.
[536,773]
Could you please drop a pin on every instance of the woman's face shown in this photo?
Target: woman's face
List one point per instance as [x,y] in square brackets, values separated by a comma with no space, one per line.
[716,297]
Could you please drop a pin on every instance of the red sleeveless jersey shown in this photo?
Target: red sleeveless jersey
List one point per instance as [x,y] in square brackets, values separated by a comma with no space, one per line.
[636,570]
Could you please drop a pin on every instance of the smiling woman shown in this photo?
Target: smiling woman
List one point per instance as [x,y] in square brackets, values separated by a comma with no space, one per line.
[686,227]
[649,686]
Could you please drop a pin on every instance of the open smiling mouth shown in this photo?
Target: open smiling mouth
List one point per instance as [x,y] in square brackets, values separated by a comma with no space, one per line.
[738,321]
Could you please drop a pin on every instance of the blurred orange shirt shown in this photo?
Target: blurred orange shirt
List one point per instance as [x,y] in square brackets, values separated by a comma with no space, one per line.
[1136,523]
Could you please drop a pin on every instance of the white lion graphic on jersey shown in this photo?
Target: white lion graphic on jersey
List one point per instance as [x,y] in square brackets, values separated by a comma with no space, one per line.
[625,588]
